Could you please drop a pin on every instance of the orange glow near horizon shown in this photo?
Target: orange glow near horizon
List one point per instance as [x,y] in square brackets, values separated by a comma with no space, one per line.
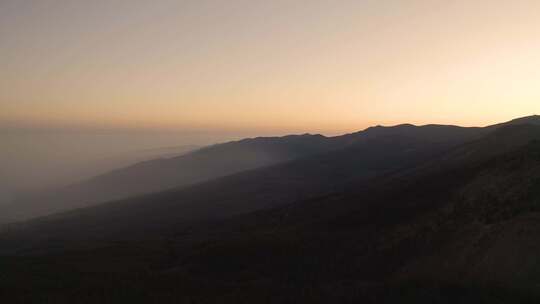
[319,66]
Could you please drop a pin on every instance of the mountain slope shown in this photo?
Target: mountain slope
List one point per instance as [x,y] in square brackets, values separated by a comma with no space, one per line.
[225,159]
[160,174]
[384,162]
[468,222]
[374,152]
[248,191]
[229,158]
[466,228]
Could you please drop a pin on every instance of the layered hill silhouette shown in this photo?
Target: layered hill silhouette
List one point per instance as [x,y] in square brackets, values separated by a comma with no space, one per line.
[397,215]
[221,160]
[378,155]
[163,173]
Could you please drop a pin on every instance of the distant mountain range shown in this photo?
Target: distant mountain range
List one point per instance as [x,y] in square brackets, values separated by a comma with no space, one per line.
[217,161]
[225,159]
[378,215]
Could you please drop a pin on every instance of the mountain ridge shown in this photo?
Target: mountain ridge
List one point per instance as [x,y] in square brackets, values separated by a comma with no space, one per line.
[435,224]
[229,158]
[226,196]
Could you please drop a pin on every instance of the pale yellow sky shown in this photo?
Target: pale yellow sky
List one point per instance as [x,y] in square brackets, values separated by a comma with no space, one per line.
[279,66]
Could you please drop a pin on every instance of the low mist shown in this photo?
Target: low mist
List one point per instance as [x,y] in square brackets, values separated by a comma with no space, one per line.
[34,160]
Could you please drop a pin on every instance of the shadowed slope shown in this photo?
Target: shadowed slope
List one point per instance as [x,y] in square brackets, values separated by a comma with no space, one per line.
[160,174]
[225,159]
[382,162]
[229,158]
[463,225]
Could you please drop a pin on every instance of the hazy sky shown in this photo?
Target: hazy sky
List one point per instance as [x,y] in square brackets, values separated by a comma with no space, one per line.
[278,66]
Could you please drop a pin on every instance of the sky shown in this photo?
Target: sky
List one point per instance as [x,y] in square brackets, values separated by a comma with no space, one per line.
[268,67]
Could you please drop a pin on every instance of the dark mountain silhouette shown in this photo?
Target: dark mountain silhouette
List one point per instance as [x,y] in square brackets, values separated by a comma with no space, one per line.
[160,174]
[373,160]
[531,120]
[233,157]
[229,158]
[438,222]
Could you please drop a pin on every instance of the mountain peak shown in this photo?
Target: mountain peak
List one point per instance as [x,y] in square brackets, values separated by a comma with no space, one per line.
[532,119]
[378,127]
